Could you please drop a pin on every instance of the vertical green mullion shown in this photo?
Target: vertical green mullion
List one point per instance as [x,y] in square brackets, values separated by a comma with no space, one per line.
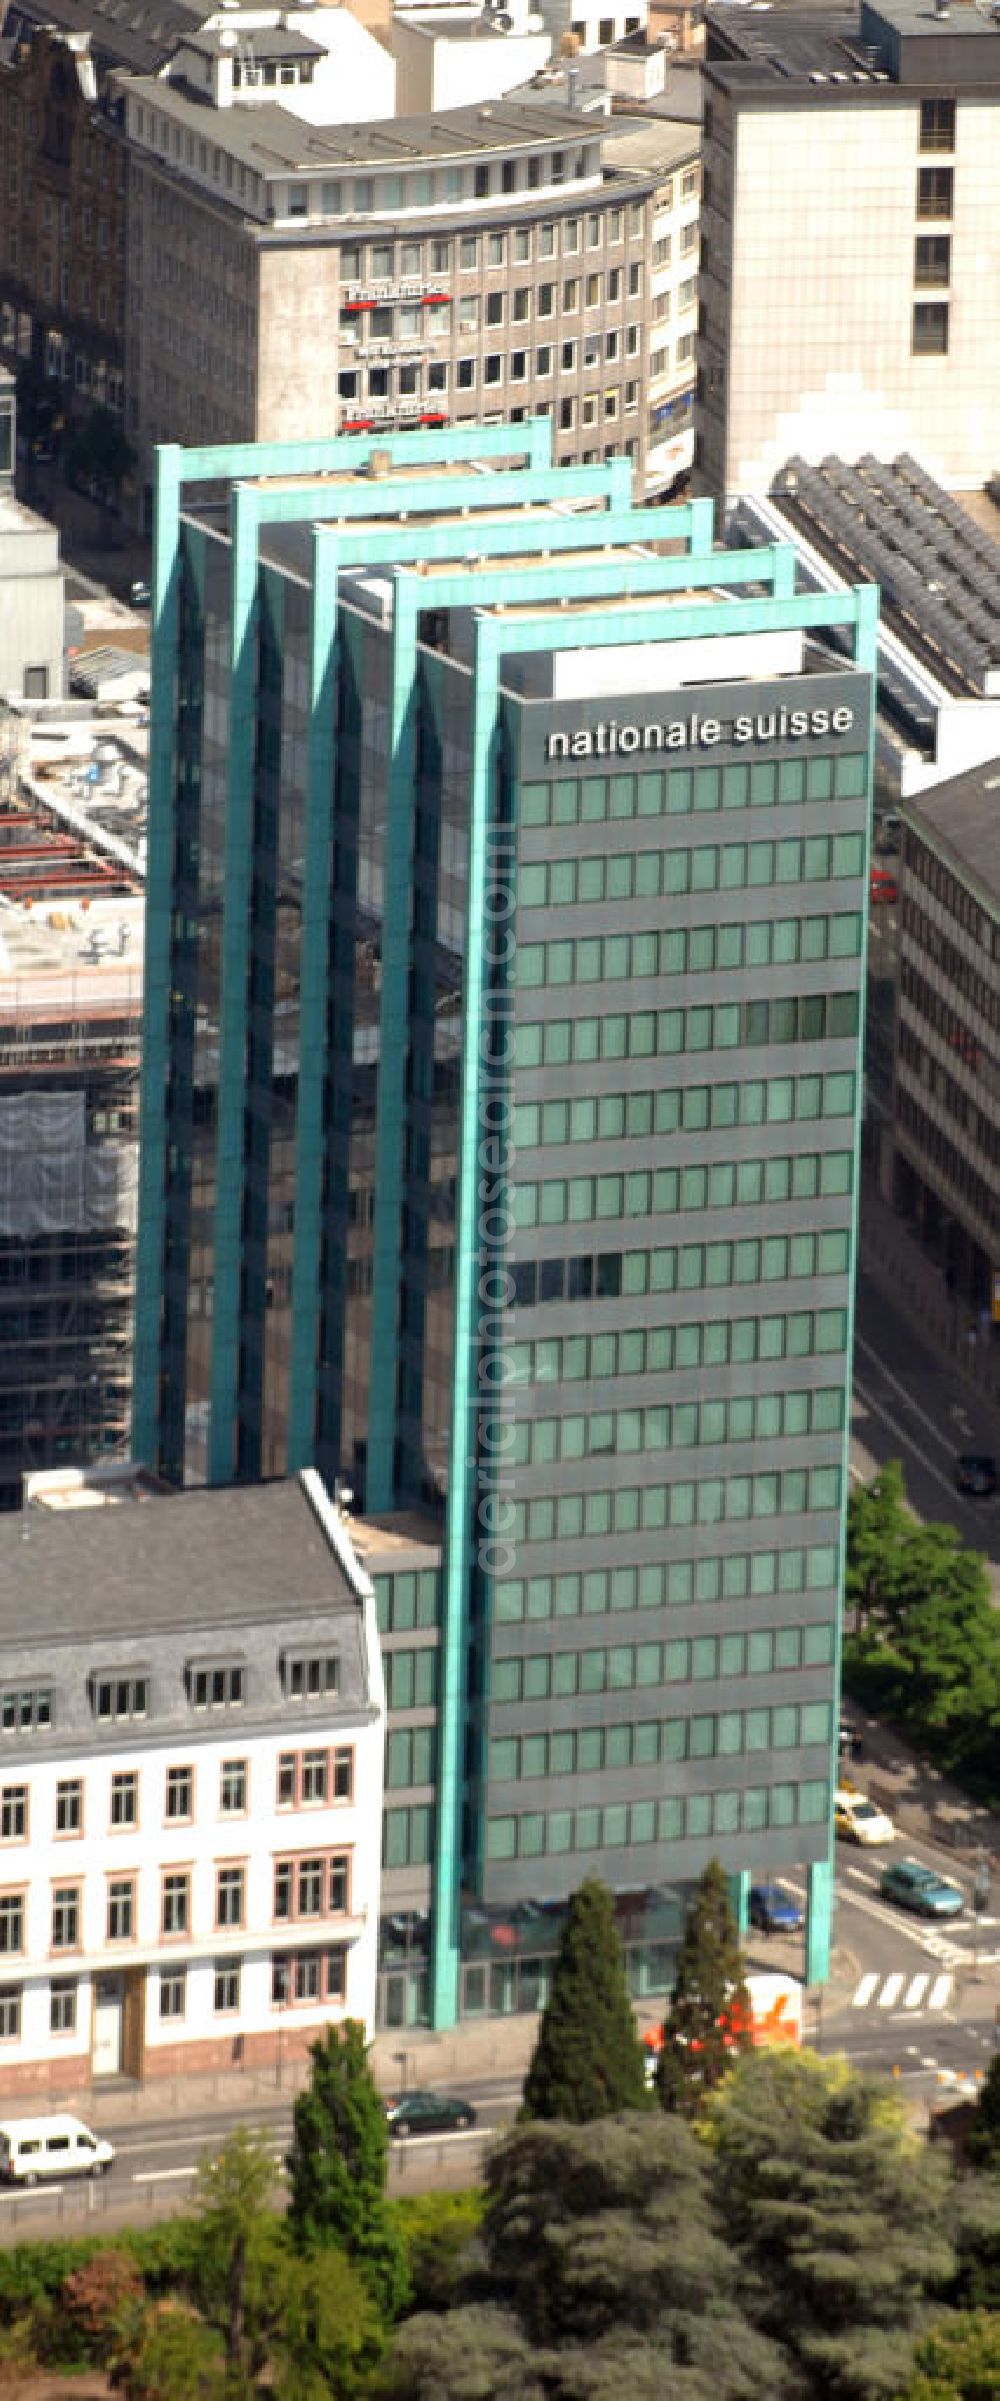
[237,886]
[390,1124]
[156,987]
[821,1882]
[313,972]
[462,1465]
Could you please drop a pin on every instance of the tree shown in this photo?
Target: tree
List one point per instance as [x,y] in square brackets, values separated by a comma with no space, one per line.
[959,2361]
[173,2357]
[600,2274]
[708,2024]
[337,2165]
[588,2061]
[983,2140]
[838,2215]
[237,2279]
[95,2294]
[876,1525]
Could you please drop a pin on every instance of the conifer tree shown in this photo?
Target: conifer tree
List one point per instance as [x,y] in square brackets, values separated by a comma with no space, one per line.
[588,2061]
[337,2165]
[708,2025]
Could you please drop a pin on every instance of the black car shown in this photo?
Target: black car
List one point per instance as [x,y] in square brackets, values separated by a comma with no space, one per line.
[976,1475]
[428,2113]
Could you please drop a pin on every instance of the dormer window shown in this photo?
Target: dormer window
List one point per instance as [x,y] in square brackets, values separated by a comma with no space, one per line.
[114,1698]
[216,1683]
[309,1676]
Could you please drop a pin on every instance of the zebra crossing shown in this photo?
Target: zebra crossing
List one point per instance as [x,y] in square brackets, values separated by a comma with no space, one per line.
[902,1992]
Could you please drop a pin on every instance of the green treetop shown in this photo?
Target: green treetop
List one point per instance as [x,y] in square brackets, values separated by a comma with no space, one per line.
[708,2024]
[588,2060]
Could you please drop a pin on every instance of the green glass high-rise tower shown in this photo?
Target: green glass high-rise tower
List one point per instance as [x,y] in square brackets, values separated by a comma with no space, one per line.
[507,880]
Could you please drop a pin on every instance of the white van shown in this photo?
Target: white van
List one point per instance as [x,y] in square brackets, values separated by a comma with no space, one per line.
[52,2146]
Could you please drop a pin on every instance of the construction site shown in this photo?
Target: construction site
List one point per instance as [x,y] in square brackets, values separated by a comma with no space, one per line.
[72,859]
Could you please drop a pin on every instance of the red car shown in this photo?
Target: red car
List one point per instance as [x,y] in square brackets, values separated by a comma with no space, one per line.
[882,886]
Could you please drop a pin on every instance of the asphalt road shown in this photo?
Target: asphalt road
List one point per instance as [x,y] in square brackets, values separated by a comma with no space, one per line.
[157,2161]
[909,1405]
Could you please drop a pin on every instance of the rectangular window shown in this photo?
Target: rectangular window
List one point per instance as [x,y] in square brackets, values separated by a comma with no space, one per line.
[937,125]
[930,329]
[65,1917]
[226,1994]
[10,2012]
[125,1798]
[230,1891]
[314,1776]
[221,1686]
[173,1993]
[935,191]
[233,1787]
[179,1799]
[117,1697]
[310,1678]
[343,1774]
[69,1806]
[121,1908]
[62,2007]
[13,1812]
[932,258]
[175,1913]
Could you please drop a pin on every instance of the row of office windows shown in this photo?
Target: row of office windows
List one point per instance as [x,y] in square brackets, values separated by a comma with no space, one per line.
[613,958]
[670,1033]
[386,262]
[314,1777]
[960,968]
[310,1975]
[688,1267]
[674,1583]
[663,1191]
[520,1758]
[314,1887]
[639,1666]
[688,1425]
[409,1757]
[673,1819]
[926,868]
[729,866]
[407,1600]
[693,1109]
[649,1508]
[592,799]
[980,1129]
[659,1350]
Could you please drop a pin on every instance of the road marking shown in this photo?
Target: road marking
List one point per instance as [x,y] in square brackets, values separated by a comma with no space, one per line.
[900,1991]
[467,2134]
[946,1482]
[34,2192]
[163,2175]
[913,1406]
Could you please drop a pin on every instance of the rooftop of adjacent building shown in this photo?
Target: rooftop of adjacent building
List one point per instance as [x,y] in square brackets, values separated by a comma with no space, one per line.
[136,34]
[73,789]
[247,1555]
[960,818]
[271,141]
[407,1538]
[852,55]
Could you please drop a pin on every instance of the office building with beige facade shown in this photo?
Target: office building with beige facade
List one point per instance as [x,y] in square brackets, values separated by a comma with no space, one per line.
[486,266]
[850,286]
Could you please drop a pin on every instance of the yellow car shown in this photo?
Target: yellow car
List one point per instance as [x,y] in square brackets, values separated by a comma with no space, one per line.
[856,1819]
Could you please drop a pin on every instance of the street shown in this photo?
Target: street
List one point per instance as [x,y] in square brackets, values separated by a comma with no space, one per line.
[909,1405]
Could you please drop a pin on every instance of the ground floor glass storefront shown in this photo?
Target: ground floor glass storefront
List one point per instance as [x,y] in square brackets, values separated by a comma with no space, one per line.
[508,1956]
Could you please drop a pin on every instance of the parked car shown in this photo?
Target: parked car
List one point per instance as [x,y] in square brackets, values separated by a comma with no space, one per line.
[976,1475]
[857,1819]
[773,1910]
[52,2146]
[921,1889]
[428,2113]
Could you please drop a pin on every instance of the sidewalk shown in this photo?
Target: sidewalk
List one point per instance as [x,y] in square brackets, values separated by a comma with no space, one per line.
[921,1801]
[891,1254]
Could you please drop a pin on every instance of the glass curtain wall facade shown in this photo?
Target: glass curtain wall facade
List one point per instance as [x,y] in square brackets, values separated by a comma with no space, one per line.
[551,1235]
